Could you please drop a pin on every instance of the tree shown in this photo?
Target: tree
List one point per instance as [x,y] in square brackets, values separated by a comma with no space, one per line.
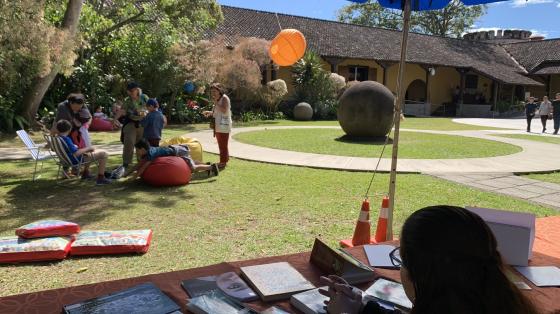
[451,21]
[41,83]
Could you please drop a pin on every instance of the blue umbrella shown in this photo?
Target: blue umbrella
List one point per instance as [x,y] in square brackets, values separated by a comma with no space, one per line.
[407,6]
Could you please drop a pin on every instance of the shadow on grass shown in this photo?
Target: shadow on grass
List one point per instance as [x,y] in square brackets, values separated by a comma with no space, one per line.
[379,140]
[80,201]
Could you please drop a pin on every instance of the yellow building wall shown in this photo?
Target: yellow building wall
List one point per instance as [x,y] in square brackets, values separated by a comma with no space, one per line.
[375,70]
[485,86]
[285,73]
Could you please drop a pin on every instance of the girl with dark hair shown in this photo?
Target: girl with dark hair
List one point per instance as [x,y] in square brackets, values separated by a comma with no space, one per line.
[222,120]
[449,264]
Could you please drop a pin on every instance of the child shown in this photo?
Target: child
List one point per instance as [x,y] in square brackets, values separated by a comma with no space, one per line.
[99,113]
[147,154]
[153,123]
[76,155]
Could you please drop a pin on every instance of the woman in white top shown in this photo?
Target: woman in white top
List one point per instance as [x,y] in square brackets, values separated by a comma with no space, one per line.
[545,110]
[222,120]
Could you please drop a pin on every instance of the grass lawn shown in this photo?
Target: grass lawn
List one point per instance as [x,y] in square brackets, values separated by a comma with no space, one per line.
[11,140]
[538,138]
[251,210]
[411,144]
[548,177]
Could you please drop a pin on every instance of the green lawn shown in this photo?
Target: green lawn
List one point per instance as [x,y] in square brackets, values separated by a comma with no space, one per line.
[538,138]
[251,210]
[11,140]
[548,177]
[411,144]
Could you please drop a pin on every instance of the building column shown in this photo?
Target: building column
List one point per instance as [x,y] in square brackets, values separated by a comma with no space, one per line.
[462,74]
[385,66]
[273,71]
[334,62]
[495,87]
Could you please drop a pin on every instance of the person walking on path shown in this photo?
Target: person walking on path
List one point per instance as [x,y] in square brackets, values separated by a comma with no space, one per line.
[530,108]
[545,109]
[222,121]
[556,113]
[132,112]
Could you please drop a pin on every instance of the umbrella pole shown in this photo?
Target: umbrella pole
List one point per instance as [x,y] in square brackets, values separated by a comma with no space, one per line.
[397,118]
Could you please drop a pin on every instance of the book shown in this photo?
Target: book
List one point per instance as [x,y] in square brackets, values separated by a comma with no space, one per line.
[310,302]
[276,281]
[216,302]
[541,276]
[340,263]
[389,291]
[229,283]
[274,310]
[142,299]
[378,255]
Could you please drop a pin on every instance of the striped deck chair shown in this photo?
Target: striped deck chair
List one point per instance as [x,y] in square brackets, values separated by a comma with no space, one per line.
[60,149]
[35,151]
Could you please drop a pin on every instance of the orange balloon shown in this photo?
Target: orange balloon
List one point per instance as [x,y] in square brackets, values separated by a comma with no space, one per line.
[287,47]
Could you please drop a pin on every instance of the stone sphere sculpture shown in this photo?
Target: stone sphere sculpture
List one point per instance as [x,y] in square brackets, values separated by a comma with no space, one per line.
[366,110]
[303,112]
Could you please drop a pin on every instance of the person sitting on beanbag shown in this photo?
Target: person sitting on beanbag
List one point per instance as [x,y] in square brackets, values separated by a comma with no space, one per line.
[146,154]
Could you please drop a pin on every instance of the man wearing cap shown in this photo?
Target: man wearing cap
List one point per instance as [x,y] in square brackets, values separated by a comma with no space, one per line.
[73,109]
[133,111]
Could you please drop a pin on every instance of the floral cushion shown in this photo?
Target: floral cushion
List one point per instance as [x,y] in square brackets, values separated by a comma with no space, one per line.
[48,228]
[111,242]
[16,250]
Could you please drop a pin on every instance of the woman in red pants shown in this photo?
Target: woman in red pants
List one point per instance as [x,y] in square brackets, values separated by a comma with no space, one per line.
[222,121]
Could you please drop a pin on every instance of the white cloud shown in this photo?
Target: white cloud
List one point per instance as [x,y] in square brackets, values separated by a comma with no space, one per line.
[558,5]
[524,3]
[537,32]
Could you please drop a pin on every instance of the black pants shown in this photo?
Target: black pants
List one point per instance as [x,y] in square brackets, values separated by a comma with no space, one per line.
[543,121]
[529,118]
[556,118]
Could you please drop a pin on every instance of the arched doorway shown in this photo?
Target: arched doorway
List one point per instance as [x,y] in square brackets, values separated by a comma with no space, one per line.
[416,91]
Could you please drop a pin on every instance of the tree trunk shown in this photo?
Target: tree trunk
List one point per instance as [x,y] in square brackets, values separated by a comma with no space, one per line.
[40,85]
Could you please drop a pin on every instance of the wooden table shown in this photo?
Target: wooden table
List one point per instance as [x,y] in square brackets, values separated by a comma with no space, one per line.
[546,252]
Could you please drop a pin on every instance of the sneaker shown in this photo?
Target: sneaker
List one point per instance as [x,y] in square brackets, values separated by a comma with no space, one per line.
[221,166]
[215,170]
[103,181]
[118,173]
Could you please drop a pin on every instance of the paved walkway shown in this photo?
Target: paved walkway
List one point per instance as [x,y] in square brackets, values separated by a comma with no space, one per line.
[535,157]
[535,191]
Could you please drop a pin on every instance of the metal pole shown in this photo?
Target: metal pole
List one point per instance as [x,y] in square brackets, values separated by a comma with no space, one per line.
[398,107]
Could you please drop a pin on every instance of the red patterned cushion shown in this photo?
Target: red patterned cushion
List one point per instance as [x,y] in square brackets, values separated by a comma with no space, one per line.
[111,242]
[17,250]
[47,228]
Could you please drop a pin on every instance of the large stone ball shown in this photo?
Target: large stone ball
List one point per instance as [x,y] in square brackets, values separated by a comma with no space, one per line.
[303,112]
[366,110]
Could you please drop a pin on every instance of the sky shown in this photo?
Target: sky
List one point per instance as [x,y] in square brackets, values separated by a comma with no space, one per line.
[542,17]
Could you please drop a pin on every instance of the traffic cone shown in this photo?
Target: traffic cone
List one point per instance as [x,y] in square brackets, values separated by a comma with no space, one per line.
[381,231]
[362,232]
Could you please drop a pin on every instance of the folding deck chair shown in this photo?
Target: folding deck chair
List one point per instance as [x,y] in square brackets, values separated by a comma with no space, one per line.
[35,151]
[60,149]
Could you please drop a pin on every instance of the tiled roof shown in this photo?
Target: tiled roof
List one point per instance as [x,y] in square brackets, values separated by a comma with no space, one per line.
[335,39]
[532,54]
[548,70]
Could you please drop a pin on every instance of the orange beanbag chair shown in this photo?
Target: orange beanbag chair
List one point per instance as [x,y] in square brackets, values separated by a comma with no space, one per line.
[101,125]
[167,171]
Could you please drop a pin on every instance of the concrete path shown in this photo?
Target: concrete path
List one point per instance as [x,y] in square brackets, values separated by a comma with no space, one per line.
[20,153]
[543,193]
[511,123]
[535,157]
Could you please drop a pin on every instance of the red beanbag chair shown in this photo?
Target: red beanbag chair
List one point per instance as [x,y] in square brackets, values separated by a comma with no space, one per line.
[100,125]
[47,228]
[17,250]
[111,242]
[167,171]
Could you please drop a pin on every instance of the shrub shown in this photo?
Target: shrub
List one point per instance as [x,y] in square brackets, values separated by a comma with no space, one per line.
[339,83]
[272,94]
[312,83]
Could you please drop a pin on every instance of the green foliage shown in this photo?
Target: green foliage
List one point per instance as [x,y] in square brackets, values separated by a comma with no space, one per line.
[189,109]
[453,20]
[312,83]
[9,119]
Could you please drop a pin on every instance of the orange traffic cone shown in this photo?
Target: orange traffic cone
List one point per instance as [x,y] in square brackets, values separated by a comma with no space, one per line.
[362,232]
[381,231]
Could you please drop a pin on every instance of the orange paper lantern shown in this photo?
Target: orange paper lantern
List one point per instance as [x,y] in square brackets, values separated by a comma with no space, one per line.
[287,47]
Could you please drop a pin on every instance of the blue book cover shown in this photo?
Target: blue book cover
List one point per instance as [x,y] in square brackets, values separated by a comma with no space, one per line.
[142,299]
